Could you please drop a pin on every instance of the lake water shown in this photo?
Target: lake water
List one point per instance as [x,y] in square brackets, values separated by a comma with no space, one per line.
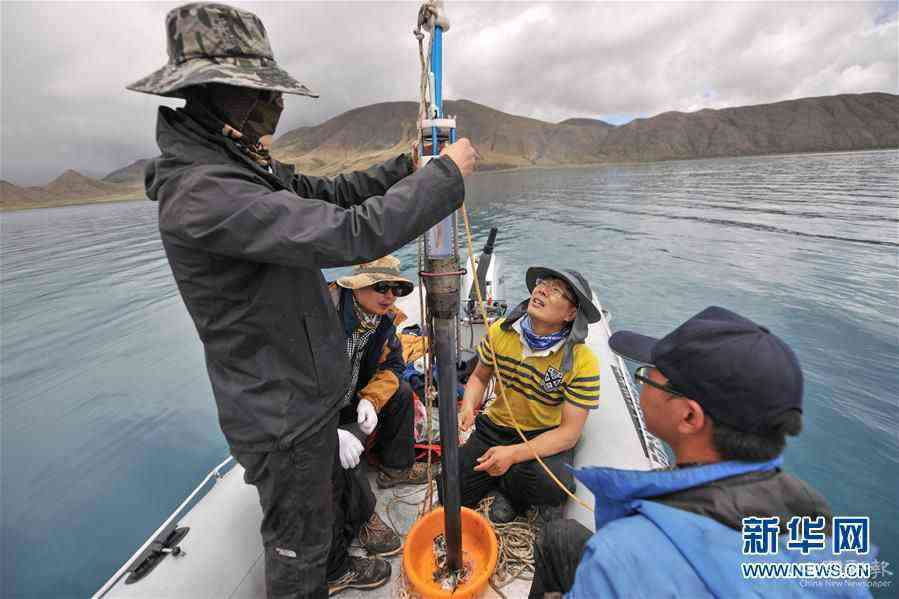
[108,421]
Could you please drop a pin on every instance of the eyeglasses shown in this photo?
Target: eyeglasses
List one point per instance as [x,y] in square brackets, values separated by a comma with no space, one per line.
[554,289]
[399,289]
[641,375]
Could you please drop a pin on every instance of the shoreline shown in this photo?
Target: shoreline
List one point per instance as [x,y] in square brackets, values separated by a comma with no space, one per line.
[65,203]
[140,195]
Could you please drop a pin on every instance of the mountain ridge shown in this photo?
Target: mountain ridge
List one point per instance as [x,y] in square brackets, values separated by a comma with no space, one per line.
[366,135]
[821,124]
[71,187]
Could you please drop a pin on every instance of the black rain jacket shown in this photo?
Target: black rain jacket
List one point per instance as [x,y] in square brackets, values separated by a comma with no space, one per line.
[245,247]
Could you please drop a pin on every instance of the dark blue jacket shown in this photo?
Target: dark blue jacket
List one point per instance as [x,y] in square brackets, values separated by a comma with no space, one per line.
[382,360]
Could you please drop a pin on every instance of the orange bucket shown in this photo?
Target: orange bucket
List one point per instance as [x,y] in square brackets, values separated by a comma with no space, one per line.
[479,548]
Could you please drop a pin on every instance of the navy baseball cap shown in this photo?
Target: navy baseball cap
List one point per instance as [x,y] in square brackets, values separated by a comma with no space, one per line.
[739,372]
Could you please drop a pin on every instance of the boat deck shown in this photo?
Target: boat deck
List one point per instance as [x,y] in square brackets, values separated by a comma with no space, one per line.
[223,550]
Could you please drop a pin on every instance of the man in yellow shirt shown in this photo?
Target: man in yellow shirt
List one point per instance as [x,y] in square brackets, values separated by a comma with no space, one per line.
[551,380]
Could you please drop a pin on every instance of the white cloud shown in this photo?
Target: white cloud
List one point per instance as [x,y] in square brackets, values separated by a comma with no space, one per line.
[65,65]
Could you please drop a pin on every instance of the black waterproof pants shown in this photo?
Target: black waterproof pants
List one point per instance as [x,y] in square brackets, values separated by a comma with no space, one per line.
[524,484]
[395,442]
[354,503]
[557,553]
[295,490]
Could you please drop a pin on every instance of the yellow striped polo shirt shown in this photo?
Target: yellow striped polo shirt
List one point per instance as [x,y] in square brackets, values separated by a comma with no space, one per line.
[535,387]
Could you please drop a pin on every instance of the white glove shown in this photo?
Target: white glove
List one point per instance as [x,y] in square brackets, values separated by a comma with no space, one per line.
[367,416]
[350,448]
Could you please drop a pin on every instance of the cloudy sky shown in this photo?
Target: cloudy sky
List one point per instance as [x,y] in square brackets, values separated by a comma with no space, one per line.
[65,64]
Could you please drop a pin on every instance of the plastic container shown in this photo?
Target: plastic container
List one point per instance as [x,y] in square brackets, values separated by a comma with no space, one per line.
[479,548]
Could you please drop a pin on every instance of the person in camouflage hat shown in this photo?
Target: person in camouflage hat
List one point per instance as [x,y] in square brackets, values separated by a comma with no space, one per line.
[246,237]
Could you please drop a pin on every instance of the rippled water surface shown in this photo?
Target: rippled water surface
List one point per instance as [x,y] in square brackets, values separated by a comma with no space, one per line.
[107,416]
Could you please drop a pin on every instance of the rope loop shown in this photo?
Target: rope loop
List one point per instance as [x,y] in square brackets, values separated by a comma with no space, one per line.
[432,14]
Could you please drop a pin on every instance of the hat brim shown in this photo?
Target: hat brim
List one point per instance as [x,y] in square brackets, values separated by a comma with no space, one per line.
[368,279]
[170,79]
[585,304]
[633,346]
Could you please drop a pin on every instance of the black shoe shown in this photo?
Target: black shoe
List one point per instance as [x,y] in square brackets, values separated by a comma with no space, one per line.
[501,510]
[363,573]
[416,474]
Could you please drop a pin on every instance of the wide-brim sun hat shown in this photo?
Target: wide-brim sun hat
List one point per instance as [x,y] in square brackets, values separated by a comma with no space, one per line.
[576,281]
[382,270]
[216,43]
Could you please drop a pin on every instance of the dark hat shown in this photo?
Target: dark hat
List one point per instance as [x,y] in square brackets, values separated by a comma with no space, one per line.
[575,280]
[739,372]
[216,43]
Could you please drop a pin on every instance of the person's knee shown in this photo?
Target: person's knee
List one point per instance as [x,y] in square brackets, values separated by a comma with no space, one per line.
[534,486]
[557,535]
[403,395]
[399,403]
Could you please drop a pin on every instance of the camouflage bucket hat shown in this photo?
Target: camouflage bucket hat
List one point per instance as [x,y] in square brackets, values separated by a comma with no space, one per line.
[215,43]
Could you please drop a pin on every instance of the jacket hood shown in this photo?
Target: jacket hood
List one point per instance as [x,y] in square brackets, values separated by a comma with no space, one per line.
[617,491]
[184,142]
[179,139]
[578,334]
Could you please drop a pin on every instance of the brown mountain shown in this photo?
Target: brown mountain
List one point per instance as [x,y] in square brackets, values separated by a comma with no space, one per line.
[13,195]
[74,184]
[71,187]
[133,174]
[363,136]
[367,135]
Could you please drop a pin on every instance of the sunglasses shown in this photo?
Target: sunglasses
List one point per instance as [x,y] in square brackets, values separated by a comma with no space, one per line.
[399,289]
[641,375]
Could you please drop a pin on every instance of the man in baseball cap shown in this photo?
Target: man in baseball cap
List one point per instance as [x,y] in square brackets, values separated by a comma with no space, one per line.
[246,237]
[724,393]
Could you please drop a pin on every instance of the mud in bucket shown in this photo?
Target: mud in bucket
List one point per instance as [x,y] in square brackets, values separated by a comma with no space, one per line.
[479,551]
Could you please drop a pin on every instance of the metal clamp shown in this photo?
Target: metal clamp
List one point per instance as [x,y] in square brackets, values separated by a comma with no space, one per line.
[444,123]
[452,273]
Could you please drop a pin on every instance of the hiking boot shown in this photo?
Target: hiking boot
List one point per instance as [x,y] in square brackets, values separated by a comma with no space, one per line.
[363,573]
[378,538]
[501,509]
[416,474]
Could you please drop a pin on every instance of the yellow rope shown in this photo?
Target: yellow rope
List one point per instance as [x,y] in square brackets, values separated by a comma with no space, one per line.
[496,372]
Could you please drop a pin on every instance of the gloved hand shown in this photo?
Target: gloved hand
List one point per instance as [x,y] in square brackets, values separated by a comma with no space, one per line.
[367,417]
[350,448]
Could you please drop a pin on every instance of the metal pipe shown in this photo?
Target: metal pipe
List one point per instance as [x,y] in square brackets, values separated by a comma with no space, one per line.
[442,264]
[447,380]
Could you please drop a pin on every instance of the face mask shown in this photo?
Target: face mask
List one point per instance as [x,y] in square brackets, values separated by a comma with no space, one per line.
[255,113]
[263,118]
